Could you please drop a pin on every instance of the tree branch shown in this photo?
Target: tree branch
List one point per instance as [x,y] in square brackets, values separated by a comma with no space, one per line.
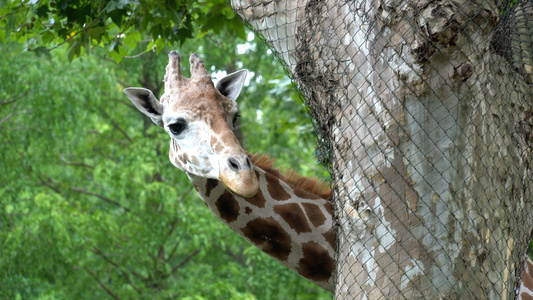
[101,284]
[8,101]
[129,281]
[126,275]
[136,55]
[173,224]
[106,156]
[75,164]
[115,124]
[102,197]
[49,183]
[12,113]
[9,115]
[184,261]
[99,252]
[172,251]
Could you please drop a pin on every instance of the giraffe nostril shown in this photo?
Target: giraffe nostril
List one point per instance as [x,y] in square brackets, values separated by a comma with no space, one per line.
[234,164]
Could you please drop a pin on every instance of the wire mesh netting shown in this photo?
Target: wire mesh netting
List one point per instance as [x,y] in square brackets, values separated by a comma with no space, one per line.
[424,113]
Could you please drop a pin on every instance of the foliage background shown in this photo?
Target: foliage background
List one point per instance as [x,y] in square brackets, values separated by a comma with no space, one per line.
[90,206]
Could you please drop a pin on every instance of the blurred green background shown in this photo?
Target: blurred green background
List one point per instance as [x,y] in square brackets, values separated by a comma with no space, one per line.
[90,206]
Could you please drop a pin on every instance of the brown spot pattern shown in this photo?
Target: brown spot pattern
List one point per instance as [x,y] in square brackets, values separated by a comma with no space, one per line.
[269,236]
[210,185]
[316,264]
[294,216]
[248,210]
[527,279]
[257,200]
[213,141]
[314,214]
[195,160]
[330,237]
[228,136]
[228,207]
[275,190]
[175,146]
[329,208]
[218,147]
[178,163]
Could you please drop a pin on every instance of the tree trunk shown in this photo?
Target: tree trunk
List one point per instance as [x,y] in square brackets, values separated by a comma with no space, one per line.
[429,128]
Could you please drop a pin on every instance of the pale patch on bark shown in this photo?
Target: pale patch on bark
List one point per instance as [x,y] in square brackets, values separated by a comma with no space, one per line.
[416,269]
[383,230]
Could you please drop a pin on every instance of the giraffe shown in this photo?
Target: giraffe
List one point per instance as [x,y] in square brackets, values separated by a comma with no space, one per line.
[288,217]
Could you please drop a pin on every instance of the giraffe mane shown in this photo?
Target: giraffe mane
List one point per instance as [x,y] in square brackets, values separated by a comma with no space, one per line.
[311,185]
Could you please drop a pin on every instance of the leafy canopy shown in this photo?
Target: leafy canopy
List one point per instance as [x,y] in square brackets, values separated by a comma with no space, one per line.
[117,25]
[90,204]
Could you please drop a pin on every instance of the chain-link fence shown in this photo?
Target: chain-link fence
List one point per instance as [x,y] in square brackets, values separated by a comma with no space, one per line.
[424,113]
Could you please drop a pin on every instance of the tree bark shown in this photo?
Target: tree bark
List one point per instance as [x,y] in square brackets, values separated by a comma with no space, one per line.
[429,131]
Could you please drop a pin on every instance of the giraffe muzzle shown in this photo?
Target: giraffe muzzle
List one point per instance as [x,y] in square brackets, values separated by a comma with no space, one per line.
[235,165]
[238,176]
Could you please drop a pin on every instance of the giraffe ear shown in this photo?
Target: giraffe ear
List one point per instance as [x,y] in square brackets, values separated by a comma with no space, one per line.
[147,103]
[231,85]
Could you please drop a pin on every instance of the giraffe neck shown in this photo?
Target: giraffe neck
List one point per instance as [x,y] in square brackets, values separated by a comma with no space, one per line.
[526,286]
[291,225]
[288,223]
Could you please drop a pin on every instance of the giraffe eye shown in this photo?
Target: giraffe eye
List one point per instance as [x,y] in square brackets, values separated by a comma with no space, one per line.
[178,127]
[237,116]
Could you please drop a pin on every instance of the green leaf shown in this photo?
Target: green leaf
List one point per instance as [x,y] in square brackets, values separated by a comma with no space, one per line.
[47,37]
[78,15]
[42,11]
[150,46]
[74,50]
[62,4]
[116,16]
[96,32]
[63,32]
[240,32]
[40,51]
[113,45]
[117,54]
[131,39]
[114,5]
[159,45]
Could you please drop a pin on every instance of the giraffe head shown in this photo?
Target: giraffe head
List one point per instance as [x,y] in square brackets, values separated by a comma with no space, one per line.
[199,116]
